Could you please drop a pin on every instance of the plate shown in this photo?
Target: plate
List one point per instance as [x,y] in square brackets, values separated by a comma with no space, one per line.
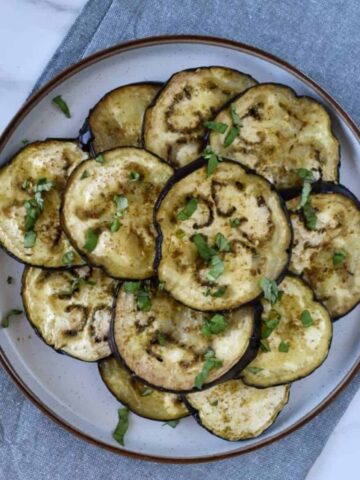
[71,392]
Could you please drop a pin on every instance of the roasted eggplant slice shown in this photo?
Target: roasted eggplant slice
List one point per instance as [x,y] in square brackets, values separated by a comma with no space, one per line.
[168,345]
[32,186]
[234,411]
[108,209]
[296,335]
[138,397]
[278,133]
[116,120]
[174,125]
[70,310]
[327,256]
[236,233]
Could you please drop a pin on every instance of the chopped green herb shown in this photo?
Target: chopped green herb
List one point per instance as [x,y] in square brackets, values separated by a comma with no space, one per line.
[214,403]
[122,426]
[217,294]
[43,185]
[338,258]
[230,136]
[6,320]
[25,185]
[222,243]
[115,225]
[283,347]
[305,193]
[203,248]
[68,257]
[188,210]
[264,345]
[305,199]
[131,287]
[234,222]
[217,324]
[217,268]
[161,286]
[270,324]
[59,102]
[161,340]
[142,292]
[310,216]
[172,423]
[100,159]
[216,126]
[9,280]
[211,362]
[235,116]
[134,176]
[306,318]
[25,141]
[305,174]
[29,239]
[254,370]
[75,286]
[84,175]
[270,289]
[212,158]
[146,391]
[91,240]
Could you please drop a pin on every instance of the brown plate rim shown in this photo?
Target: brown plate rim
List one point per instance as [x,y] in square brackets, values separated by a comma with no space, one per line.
[92,59]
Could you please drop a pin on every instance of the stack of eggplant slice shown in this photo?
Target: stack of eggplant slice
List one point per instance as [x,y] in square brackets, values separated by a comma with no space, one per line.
[195,242]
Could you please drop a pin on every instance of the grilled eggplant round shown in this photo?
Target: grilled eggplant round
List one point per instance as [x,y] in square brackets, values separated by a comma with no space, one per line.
[32,186]
[239,233]
[108,208]
[234,411]
[174,125]
[165,343]
[295,343]
[328,255]
[279,133]
[138,397]
[116,120]
[70,310]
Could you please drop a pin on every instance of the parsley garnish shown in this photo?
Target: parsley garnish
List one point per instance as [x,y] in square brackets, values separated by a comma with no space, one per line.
[235,129]
[211,362]
[68,257]
[230,136]
[147,391]
[306,318]
[172,423]
[122,204]
[188,210]
[84,175]
[305,199]
[59,102]
[6,320]
[254,370]
[142,293]
[134,176]
[203,248]
[217,268]
[122,426]
[264,345]
[161,340]
[222,243]
[270,289]
[91,240]
[161,286]
[216,126]
[100,159]
[216,324]
[212,158]
[29,239]
[217,294]
[270,324]
[75,286]
[310,215]
[284,346]
[234,222]
[338,258]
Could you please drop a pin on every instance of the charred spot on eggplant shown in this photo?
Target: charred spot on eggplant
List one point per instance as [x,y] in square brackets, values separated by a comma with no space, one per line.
[259,243]
[33,183]
[116,120]
[166,346]
[279,133]
[174,125]
[138,397]
[337,230]
[77,323]
[234,411]
[108,217]
[296,347]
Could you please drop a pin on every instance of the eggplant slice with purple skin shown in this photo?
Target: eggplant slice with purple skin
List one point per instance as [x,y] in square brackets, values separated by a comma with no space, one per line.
[295,343]
[238,234]
[164,343]
[116,120]
[70,310]
[107,211]
[138,397]
[234,411]
[327,256]
[278,133]
[32,186]
[174,124]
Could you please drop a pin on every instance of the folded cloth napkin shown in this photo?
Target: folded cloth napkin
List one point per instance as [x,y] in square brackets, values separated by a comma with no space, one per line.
[321,38]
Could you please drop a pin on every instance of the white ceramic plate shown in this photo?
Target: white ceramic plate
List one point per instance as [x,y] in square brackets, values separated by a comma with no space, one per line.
[70,391]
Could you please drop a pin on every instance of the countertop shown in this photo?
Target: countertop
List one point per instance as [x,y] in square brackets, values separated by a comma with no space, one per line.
[30,32]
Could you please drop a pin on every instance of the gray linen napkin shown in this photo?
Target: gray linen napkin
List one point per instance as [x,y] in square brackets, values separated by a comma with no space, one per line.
[318,36]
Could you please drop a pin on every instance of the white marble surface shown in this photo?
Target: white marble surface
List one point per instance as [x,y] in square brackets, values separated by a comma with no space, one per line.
[30,31]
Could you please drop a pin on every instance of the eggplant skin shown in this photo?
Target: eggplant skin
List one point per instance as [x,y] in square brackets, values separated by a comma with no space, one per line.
[280,132]
[116,120]
[89,203]
[308,347]
[174,123]
[133,341]
[126,388]
[262,248]
[337,230]
[53,159]
[234,411]
[75,324]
